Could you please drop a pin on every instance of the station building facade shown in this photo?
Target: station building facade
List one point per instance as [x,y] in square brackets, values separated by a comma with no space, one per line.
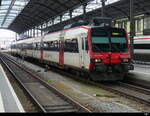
[142,25]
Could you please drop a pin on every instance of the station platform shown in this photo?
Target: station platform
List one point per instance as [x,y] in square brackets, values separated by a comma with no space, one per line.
[9,101]
[140,75]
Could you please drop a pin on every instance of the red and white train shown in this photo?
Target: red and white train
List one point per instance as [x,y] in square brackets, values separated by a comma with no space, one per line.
[142,48]
[101,52]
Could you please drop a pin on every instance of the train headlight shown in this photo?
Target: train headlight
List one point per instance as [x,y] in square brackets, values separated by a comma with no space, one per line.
[98,60]
[125,60]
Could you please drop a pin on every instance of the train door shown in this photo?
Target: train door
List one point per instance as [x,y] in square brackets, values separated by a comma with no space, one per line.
[42,50]
[37,52]
[84,52]
[61,49]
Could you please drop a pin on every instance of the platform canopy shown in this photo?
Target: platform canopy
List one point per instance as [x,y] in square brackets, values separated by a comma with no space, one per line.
[9,10]
[34,12]
[22,15]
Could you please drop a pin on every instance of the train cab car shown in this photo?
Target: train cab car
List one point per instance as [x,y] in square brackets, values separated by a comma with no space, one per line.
[109,52]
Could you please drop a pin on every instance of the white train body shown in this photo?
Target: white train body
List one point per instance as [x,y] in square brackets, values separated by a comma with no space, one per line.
[70,58]
[142,49]
[142,45]
[87,49]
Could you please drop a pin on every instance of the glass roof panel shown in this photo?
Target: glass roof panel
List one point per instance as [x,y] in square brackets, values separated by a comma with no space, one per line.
[91,5]
[9,10]
[4,7]
[6,1]
[18,7]
[14,12]
[3,10]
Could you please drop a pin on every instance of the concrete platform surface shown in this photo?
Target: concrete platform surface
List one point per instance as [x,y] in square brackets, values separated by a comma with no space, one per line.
[140,74]
[9,101]
[85,93]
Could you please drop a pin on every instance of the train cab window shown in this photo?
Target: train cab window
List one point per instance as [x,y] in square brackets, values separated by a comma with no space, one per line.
[118,41]
[56,45]
[109,40]
[100,44]
[100,40]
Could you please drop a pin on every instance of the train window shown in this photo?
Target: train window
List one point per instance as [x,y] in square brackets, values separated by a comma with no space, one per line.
[75,46]
[56,44]
[28,46]
[86,44]
[67,46]
[71,46]
[38,46]
[51,46]
[45,46]
[82,44]
[34,46]
[25,46]
[141,46]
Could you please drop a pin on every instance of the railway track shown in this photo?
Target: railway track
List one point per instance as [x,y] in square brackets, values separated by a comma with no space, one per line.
[46,97]
[132,91]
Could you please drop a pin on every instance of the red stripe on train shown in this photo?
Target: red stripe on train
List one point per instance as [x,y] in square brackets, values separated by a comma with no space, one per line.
[141,38]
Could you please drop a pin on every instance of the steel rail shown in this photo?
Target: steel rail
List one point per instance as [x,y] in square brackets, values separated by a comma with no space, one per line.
[51,88]
[22,85]
[109,87]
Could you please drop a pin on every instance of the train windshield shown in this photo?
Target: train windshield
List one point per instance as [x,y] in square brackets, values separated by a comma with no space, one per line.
[112,40]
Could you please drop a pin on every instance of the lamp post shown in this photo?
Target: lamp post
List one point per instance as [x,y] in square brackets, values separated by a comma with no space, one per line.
[132,26]
[103,8]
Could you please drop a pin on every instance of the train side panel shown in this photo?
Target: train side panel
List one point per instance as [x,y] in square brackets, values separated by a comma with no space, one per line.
[51,55]
[75,59]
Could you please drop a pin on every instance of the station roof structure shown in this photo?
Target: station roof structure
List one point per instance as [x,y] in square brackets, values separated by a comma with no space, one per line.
[9,9]
[22,15]
[34,12]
